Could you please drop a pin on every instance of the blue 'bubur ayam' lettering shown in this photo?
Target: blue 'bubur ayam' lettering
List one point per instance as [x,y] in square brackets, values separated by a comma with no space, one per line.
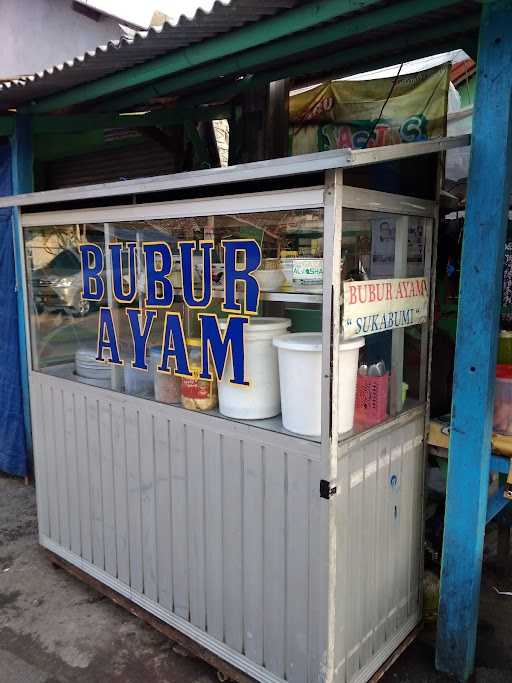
[242,257]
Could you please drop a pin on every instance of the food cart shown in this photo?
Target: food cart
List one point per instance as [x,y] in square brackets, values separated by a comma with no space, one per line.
[294,557]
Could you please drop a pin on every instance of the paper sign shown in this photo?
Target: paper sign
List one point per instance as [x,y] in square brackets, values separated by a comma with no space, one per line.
[373,306]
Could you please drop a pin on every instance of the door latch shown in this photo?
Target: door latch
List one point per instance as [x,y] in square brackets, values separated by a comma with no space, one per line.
[327,489]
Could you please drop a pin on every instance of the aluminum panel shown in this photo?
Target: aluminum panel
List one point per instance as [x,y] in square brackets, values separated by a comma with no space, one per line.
[252,530]
[378,545]
[61,465]
[222,531]
[213,524]
[274,550]
[120,494]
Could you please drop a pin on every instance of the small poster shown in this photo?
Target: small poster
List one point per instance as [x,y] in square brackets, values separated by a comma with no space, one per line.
[372,306]
[383,247]
[415,247]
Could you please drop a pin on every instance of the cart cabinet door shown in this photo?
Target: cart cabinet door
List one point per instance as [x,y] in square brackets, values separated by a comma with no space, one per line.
[212,529]
[378,547]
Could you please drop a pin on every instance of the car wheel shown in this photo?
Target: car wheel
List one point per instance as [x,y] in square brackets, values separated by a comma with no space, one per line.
[82,309]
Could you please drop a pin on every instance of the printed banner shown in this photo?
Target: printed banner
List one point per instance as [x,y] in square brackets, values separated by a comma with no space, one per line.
[342,114]
[373,306]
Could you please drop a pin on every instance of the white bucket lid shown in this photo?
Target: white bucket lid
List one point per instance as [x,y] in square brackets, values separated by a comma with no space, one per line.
[312,341]
[261,324]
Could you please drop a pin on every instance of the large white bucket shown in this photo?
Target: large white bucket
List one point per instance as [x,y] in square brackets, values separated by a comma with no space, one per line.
[300,374]
[261,399]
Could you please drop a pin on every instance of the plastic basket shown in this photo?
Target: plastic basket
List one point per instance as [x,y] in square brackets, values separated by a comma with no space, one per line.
[371,399]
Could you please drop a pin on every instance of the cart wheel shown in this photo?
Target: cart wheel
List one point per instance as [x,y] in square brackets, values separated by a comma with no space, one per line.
[221,676]
[82,309]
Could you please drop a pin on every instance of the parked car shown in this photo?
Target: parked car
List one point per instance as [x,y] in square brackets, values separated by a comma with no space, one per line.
[58,285]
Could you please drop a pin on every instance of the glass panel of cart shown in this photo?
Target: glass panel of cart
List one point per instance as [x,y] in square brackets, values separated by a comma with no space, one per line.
[386,302]
[223,314]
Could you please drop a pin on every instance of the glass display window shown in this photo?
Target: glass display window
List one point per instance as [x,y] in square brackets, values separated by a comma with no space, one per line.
[162,301]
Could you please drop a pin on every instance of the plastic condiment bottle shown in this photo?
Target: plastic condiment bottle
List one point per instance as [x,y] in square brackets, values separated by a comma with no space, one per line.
[196,393]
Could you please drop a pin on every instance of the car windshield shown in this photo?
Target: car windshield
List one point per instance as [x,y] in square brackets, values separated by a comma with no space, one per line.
[66,260]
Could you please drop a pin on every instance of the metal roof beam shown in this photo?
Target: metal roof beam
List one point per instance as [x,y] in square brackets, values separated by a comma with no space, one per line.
[7,125]
[78,123]
[343,63]
[405,44]
[54,146]
[258,33]
[291,47]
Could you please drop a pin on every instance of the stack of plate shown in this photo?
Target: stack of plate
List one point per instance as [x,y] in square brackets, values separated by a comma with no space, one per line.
[90,370]
[140,382]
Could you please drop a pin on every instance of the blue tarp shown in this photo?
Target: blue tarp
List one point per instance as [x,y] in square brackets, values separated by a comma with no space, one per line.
[13,451]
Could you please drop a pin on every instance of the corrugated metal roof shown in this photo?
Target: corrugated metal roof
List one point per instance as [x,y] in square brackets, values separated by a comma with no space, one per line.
[435,29]
[225,16]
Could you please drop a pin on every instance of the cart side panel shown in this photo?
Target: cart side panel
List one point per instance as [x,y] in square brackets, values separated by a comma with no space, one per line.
[378,546]
[211,525]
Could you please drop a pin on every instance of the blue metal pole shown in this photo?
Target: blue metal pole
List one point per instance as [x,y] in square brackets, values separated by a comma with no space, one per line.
[475,357]
[22,181]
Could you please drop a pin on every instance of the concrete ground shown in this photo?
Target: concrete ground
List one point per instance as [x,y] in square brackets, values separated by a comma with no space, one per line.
[53,629]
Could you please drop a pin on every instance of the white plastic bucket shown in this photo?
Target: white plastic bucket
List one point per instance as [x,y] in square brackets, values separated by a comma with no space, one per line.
[262,398]
[300,374]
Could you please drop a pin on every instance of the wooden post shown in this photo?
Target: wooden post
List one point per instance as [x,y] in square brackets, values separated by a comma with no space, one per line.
[201,156]
[259,125]
[207,135]
[277,119]
[247,127]
[475,356]
[22,181]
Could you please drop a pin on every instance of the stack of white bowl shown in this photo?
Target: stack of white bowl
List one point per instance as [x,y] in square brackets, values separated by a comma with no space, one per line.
[90,370]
